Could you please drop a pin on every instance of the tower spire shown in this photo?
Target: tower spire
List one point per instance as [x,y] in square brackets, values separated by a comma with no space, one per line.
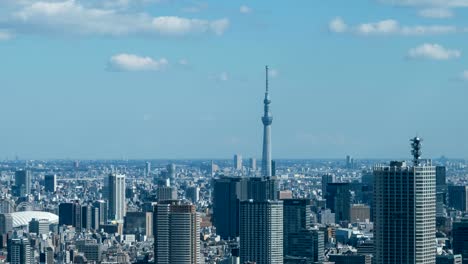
[267,119]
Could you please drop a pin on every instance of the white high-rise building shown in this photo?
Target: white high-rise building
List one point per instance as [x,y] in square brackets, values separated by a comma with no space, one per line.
[177,233]
[261,232]
[20,251]
[116,196]
[237,162]
[405,212]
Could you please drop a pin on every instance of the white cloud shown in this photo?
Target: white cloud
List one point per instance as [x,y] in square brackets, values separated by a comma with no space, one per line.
[464,75]
[436,3]
[223,76]
[245,9]
[183,62]
[72,17]
[439,13]
[433,52]
[130,62]
[4,35]
[337,25]
[390,27]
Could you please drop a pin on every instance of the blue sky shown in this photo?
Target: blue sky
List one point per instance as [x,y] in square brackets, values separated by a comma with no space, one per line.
[90,79]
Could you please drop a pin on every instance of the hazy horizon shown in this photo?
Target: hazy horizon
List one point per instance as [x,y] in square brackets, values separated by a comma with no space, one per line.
[176,79]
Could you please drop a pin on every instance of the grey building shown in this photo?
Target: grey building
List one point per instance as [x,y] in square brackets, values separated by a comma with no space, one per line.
[116,196]
[20,251]
[307,244]
[6,223]
[326,179]
[90,248]
[350,258]
[177,233]
[238,162]
[339,200]
[166,193]
[296,217]
[261,232]
[405,214]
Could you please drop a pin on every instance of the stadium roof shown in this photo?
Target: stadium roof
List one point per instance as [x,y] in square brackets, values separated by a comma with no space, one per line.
[23,218]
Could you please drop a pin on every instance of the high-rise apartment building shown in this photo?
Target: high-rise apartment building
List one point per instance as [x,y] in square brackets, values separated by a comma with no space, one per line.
[176,233]
[261,232]
[116,196]
[405,212]
[20,251]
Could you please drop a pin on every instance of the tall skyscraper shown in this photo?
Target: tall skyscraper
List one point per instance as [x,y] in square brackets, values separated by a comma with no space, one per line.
[50,183]
[339,200]
[171,171]
[227,194]
[237,162]
[177,233]
[296,217]
[148,169]
[253,164]
[116,196]
[20,251]
[405,211]
[102,212]
[23,181]
[326,179]
[261,232]
[166,193]
[460,238]
[267,119]
[458,197]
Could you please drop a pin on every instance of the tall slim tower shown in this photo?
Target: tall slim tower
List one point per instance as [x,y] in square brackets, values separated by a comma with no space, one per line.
[116,196]
[267,119]
[405,211]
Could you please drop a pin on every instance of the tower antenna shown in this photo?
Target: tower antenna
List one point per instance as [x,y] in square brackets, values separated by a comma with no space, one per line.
[416,150]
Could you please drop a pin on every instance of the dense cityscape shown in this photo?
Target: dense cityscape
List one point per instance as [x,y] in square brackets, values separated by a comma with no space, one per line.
[349,211]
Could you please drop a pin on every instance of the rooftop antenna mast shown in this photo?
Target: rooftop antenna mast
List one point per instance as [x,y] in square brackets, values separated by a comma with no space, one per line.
[416,150]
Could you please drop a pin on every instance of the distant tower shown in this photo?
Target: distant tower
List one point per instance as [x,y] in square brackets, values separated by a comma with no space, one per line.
[237,162]
[23,182]
[267,119]
[171,171]
[148,169]
[50,183]
[405,211]
[116,196]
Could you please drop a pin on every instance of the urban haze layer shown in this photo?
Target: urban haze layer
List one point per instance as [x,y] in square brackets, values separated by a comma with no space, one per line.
[232,211]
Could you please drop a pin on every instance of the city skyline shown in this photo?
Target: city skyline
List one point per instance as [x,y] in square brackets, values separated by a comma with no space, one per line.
[171,90]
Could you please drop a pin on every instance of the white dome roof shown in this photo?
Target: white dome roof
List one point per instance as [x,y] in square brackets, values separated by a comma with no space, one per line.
[23,218]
